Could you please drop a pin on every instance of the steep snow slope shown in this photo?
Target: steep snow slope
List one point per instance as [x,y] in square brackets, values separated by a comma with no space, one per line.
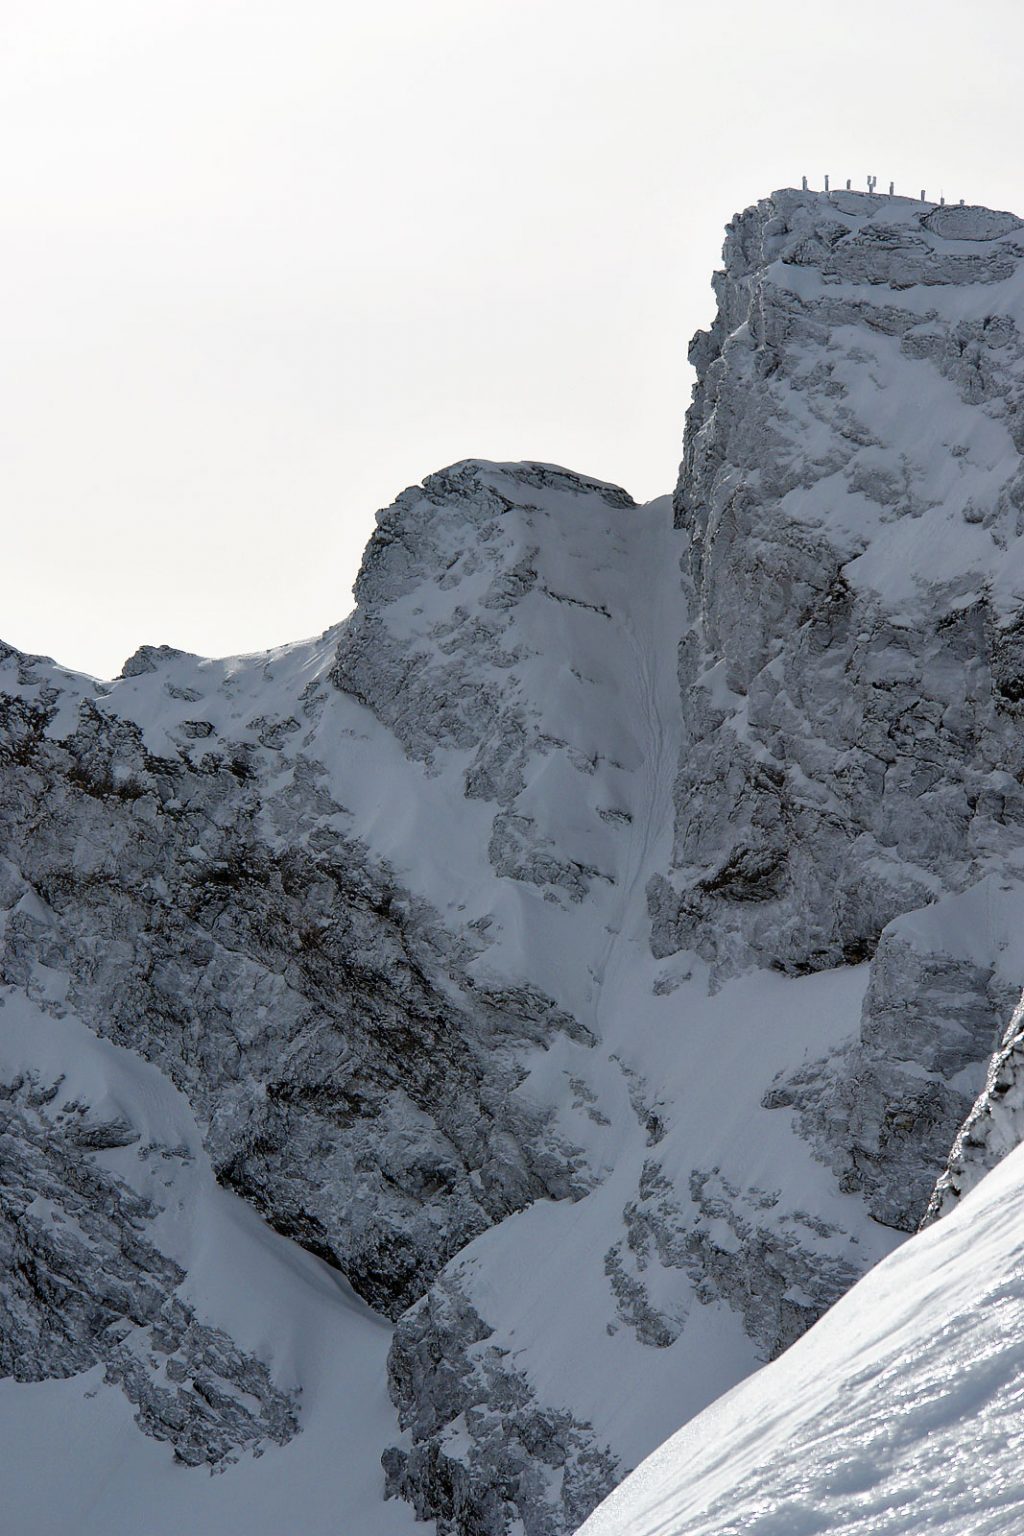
[243,1342]
[589,949]
[900,1412]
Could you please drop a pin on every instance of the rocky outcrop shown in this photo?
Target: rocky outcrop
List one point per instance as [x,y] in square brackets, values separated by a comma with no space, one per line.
[777,1274]
[994,1126]
[309,1007]
[457,586]
[85,1284]
[182,873]
[883,1113]
[852,746]
[852,743]
[487,1454]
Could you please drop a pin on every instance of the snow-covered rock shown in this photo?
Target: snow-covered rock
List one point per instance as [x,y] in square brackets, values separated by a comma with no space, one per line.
[853,492]
[854,496]
[589,949]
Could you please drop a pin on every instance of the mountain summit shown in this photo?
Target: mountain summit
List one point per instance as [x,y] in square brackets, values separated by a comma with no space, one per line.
[440,1058]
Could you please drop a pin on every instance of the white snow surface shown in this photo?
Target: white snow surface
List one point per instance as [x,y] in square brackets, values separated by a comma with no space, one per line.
[900,1412]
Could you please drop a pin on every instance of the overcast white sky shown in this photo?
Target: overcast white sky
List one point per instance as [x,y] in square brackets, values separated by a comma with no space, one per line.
[265,262]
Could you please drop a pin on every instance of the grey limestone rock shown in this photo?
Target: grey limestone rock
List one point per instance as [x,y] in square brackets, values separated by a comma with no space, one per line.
[84,1284]
[778,1268]
[992,1128]
[288,994]
[852,750]
[452,598]
[198,894]
[883,1113]
[529,1466]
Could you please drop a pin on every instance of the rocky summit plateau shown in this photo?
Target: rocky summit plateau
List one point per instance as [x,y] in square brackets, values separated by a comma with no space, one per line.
[439,1059]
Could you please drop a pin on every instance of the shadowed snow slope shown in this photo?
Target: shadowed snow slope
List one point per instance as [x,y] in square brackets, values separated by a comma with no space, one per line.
[899,1413]
[141,1296]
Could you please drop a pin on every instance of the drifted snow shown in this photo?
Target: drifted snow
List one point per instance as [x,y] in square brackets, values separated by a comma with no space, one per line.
[899,1413]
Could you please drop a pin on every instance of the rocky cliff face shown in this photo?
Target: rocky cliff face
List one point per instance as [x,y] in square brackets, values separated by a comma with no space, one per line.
[589,950]
[853,491]
[852,487]
[993,1128]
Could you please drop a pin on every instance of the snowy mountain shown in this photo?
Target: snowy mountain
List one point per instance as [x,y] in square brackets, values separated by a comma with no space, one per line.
[439,1059]
[898,1413]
